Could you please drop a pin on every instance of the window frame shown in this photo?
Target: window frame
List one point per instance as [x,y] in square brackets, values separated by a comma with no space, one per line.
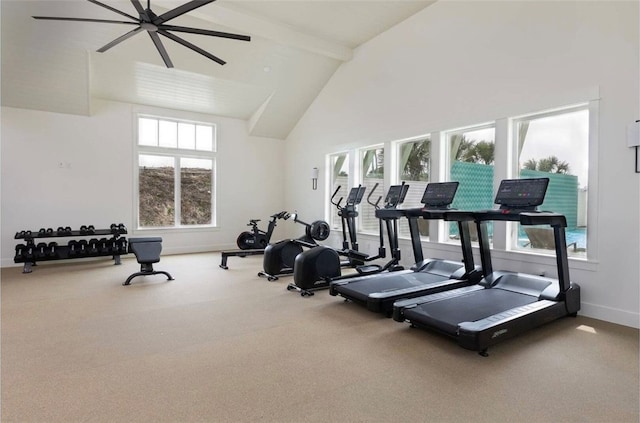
[331,211]
[395,177]
[591,107]
[176,154]
[380,191]
[505,167]
[448,160]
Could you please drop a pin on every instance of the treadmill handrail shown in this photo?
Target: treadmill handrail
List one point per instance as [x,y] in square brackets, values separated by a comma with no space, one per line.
[556,220]
[543,218]
[525,217]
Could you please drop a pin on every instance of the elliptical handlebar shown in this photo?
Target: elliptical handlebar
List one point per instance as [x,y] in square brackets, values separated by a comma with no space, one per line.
[376,204]
[337,204]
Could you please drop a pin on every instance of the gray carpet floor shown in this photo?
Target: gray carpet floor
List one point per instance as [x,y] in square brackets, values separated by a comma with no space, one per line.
[226,346]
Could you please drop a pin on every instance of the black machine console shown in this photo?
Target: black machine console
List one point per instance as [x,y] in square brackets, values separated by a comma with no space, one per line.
[396,195]
[439,195]
[521,194]
[355,196]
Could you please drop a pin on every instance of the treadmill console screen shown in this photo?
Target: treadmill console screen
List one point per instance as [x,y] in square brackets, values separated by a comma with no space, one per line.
[396,195]
[439,194]
[355,195]
[521,193]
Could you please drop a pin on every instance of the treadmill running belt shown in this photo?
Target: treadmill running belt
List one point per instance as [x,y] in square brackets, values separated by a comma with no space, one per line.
[473,306]
[390,282]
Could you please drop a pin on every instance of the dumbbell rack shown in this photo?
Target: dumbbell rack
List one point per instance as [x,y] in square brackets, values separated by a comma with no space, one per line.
[32,252]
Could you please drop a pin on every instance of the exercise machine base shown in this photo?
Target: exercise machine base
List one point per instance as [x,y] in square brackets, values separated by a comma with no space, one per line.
[238,253]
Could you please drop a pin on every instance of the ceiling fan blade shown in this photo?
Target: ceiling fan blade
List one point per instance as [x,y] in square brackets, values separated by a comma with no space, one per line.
[191,46]
[138,6]
[119,39]
[112,9]
[53,18]
[163,53]
[205,32]
[181,10]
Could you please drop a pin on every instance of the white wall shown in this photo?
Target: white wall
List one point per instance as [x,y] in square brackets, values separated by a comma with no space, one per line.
[95,185]
[461,63]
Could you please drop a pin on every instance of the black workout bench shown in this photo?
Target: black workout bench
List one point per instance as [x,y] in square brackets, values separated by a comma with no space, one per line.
[147,251]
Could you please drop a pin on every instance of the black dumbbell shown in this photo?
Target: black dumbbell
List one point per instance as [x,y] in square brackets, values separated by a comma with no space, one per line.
[122,246]
[73,248]
[52,249]
[67,230]
[27,235]
[42,231]
[121,228]
[91,229]
[83,230]
[60,230]
[50,231]
[83,247]
[41,250]
[113,246]
[20,250]
[104,246]
[93,246]
[28,252]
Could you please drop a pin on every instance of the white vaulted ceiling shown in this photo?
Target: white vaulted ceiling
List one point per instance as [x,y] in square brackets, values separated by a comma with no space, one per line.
[295,47]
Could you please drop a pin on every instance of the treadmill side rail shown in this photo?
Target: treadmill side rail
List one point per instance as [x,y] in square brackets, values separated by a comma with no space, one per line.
[401,305]
[481,334]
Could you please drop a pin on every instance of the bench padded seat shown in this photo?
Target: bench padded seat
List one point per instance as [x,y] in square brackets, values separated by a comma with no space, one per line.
[147,251]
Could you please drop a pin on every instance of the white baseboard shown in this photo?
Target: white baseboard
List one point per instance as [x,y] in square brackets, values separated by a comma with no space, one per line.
[608,314]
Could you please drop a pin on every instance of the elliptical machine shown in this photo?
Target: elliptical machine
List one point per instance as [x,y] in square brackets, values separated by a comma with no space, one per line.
[315,269]
[279,258]
[255,241]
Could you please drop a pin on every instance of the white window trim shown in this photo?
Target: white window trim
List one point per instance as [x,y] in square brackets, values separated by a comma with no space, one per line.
[503,168]
[359,180]
[329,207]
[592,232]
[176,153]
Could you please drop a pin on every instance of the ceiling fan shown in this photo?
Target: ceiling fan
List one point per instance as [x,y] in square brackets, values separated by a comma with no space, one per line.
[154,25]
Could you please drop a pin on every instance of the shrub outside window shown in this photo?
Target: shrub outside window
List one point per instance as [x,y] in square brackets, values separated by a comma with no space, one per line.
[414,168]
[372,173]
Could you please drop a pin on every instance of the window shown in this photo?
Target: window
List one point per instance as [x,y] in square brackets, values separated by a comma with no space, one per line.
[372,173]
[176,169]
[555,145]
[339,173]
[414,168]
[471,162]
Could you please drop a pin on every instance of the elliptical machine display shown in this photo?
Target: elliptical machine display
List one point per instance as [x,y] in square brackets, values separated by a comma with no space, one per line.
[279,257]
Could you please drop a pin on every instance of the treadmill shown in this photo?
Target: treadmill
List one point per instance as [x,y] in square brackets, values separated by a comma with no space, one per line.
[379,292]
[504,304]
